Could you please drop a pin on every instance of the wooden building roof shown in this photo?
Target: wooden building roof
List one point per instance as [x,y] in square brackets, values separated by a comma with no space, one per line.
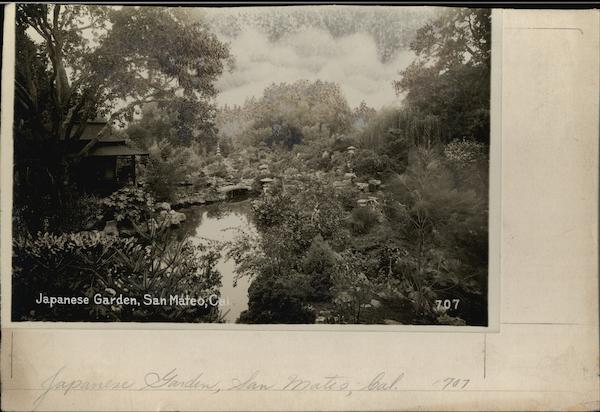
[116,150]
[105,147]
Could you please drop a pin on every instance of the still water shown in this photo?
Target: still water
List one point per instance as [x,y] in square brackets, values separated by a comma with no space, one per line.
[222,222]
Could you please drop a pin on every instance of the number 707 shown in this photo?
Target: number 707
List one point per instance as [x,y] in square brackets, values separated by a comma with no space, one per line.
[447,303]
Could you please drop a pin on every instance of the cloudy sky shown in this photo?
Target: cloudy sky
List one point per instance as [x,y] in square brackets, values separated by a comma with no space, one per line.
[311,52]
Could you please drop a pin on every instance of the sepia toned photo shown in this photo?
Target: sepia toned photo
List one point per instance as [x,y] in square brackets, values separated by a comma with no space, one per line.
[251,165]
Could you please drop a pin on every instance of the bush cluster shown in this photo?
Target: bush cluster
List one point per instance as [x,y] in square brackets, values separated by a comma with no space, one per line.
[90,263]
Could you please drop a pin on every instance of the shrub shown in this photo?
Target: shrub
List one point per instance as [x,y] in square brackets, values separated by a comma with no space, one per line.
[167,167]
[363,219]
[346,196]
[128,205]
[85,212]
[279,300]
[217,169]
[271,210]
[446,319]
[74,212]
[465,152]
[72,264]
[341,143]
[319,264]
[160,265]
[368,164]
[352,287]
[469,162]
[90,263]
[77,213]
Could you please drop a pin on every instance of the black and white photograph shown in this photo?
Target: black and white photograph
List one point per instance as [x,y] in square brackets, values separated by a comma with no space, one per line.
[251,165]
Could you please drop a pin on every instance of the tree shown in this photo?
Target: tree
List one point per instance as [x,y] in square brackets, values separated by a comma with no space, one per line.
[450,77]
[362,114]
[178,126]
[154,125]
[109,62]
[352,286]
[392,28]
[293,261]
[168,166]
[280,299]
[436,218]
[319,265]
[386,139]
[290,109]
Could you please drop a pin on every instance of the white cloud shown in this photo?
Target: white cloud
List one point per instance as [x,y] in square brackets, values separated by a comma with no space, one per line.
[350,61]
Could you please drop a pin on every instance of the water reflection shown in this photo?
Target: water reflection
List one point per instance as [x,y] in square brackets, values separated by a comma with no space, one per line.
[222,222]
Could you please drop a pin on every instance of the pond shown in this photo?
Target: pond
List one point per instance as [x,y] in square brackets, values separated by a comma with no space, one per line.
[222,222]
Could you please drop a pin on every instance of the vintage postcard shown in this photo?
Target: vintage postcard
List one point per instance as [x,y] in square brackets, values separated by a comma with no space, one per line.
[273,165]
[291,208]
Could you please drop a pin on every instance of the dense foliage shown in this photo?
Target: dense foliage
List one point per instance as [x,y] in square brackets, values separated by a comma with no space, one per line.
[276,23]
[166,168]
[289,114]
[361,215]
[82,79]
[450,78]
[419,237]
[422,238]
[92,263]
[128,205]
[77,63]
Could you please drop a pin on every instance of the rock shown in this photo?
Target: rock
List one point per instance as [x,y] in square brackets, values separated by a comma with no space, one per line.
[163,206]
[172,218]
[375,303]
[266,184]
[362,186]
[320,319]
[111,228]
[370,201]
[350,176]
[339,184]
[325,155]
[177,217]
[362,202]
[263,167]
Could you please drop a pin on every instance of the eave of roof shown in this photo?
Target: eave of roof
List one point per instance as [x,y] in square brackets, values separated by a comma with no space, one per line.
[120,150]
